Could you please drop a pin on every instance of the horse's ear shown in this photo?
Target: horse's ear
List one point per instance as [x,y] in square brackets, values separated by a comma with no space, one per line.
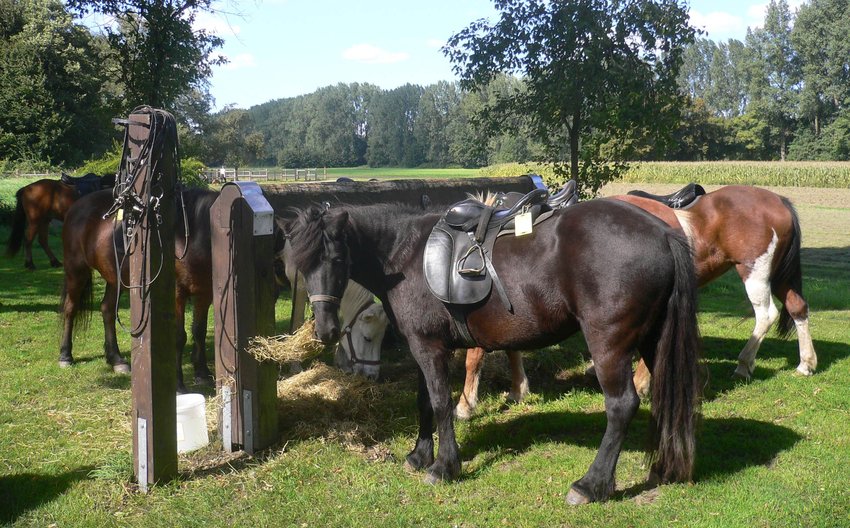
[281,230]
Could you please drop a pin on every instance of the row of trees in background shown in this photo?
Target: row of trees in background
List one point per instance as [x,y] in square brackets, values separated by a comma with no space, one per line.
[782,93]
[546,81]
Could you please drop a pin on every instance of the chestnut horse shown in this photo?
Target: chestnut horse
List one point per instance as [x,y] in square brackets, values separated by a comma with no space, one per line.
[90,243]
[37,204]
[747,228]
[631,287]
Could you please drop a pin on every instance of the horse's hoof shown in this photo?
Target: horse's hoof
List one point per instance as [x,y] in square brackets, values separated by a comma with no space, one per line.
[590,371]
[741,373]
[121,368]
[206,381]
[56,264]
[574,498]
[65,363]
[805,370]
[463,413]
[431,479]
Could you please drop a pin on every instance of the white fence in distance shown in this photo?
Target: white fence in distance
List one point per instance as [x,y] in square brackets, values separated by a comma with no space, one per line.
[223,174]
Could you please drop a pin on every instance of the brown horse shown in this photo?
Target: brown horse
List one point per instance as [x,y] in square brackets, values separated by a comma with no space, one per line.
[37,204]
[750,229]
[90,243]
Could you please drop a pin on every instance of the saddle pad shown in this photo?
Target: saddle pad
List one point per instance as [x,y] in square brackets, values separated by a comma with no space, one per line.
[440,264]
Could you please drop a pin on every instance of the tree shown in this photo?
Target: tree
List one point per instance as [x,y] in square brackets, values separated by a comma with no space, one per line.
[234,141]
[159,54]
[594,70]
[392,142]
[820,38]
[775,75]
[51,85]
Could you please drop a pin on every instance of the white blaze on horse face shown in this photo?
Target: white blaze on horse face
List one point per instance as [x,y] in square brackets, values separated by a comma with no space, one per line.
[757,285]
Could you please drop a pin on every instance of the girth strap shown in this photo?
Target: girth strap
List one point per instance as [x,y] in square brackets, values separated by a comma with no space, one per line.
[459,320]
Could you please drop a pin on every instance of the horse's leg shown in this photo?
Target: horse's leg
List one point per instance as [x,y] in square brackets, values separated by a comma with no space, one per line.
[29,236]
[200,313]
[108,309]
[642,379]
[434,368]
[756,282]
[469,397]
[70,306]
[42,241]
[519,381]
[180,322]
[799,311]
[422,455]
[614,371]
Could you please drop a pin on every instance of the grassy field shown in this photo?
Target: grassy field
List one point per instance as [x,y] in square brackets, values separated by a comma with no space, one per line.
[771,452]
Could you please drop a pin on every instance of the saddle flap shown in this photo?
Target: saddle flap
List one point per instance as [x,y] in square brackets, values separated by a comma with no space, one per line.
[444,259]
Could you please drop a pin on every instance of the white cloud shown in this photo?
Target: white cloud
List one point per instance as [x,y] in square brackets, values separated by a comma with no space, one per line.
[435,43]
[756,13]
[718,24]
[238,62]
[370,54]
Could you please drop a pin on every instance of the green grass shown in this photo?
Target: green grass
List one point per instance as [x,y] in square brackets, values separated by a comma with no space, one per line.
[771,452]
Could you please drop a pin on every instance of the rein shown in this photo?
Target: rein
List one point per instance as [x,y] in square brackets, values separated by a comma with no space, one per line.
[347,333]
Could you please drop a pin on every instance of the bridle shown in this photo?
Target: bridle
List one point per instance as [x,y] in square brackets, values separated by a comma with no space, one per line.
[347,333]
[319,297]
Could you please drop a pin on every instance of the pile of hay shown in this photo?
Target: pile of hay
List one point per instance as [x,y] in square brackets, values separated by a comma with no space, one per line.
[300,346]
[324,402]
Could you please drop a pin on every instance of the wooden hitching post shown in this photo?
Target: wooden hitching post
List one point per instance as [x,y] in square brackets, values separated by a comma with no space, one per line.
[151,252]
[242,223]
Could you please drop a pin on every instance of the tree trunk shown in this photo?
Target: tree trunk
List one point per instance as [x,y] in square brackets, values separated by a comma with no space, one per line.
[574,131]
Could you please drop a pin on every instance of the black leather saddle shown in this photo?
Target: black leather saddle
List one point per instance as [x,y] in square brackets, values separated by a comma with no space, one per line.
[459,251]
[681,199]
[85,184]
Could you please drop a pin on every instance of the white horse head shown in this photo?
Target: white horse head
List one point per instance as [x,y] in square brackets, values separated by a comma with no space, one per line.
[364,324]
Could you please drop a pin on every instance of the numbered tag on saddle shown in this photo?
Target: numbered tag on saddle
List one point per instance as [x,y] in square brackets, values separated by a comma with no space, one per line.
[522,223]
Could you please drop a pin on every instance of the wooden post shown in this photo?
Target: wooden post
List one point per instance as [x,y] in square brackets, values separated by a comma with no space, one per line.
[242,223]
[151,251]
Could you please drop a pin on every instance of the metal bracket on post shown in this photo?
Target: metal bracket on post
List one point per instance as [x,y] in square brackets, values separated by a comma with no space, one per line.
[242,224]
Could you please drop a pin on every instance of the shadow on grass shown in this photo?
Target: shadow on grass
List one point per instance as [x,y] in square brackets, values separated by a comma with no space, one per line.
[719,440]
[27,491]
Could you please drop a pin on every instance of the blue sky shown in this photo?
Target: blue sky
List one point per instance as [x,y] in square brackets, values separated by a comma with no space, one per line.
[285,48]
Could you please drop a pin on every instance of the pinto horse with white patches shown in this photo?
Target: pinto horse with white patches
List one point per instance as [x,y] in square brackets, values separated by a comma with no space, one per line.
[747,228]
[631,286]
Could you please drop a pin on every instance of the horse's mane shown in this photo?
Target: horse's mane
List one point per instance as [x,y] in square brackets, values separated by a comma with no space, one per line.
[308,227]
[306,233]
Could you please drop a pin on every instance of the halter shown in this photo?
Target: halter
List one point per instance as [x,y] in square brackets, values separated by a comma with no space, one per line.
[325,298]
[347,333]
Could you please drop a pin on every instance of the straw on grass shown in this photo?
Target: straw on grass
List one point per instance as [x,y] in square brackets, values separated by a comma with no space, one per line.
[300,346]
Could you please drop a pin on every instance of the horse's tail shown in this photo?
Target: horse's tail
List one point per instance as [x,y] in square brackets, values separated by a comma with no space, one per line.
[85,304]
[19,224]
[788,273]
[676,384]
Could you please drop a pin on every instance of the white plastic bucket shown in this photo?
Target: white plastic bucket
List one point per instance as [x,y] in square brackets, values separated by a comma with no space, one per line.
[191,422]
